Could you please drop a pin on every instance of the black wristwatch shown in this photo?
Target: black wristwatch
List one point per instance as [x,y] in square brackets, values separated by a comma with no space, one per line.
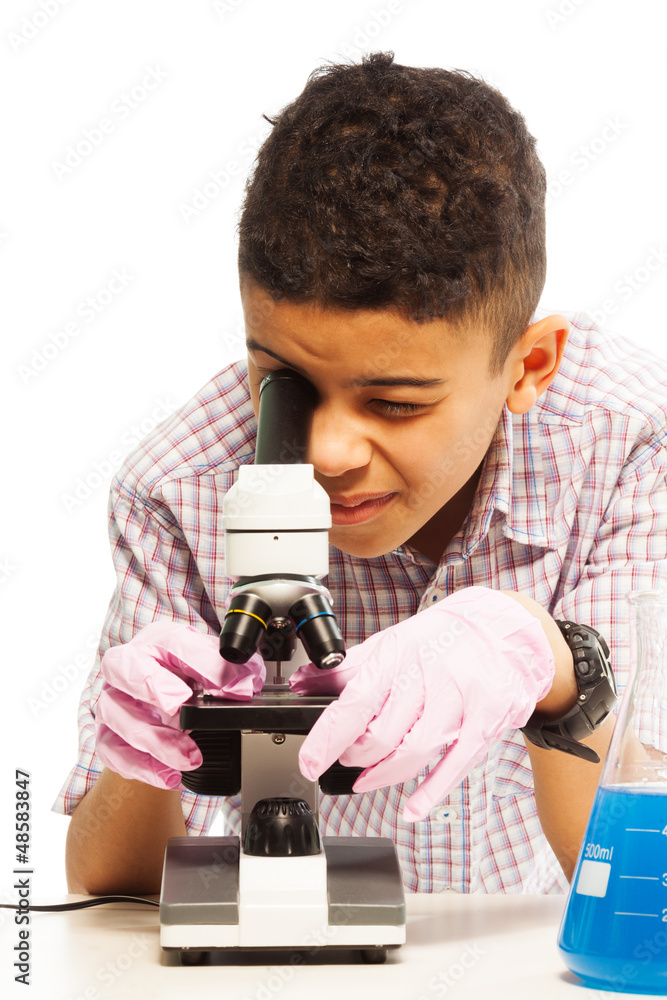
[597,696]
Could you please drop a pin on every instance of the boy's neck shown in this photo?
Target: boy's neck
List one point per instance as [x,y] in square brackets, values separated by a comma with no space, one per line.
[433,538]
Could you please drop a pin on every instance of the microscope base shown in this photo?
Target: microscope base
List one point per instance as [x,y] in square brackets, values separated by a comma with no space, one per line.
[350,897]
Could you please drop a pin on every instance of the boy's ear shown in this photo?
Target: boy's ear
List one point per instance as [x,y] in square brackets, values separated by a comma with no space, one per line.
[534,361]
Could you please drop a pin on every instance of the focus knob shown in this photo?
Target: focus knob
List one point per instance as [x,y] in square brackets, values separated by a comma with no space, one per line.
[282,828]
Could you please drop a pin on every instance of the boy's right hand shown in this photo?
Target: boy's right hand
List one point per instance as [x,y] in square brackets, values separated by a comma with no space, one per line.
[146,682]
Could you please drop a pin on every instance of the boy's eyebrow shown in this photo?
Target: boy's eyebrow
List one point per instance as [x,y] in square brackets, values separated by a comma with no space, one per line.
[356,383]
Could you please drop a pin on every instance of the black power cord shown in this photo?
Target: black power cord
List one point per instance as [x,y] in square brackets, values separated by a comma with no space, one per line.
[83,903]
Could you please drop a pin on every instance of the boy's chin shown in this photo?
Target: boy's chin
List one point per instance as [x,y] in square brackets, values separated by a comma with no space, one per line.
[367,548]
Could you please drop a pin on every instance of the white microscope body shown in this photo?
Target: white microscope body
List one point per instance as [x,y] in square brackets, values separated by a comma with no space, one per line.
[280,885]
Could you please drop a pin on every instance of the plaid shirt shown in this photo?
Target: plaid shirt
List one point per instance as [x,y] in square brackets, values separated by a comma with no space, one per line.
[571,509]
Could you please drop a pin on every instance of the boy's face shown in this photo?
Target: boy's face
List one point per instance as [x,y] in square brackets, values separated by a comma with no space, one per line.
[405,416]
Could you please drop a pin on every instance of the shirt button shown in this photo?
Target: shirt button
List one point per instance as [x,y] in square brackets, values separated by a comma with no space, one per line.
[445,814]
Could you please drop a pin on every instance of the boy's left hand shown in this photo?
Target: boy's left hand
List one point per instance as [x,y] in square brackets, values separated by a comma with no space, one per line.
[450,679]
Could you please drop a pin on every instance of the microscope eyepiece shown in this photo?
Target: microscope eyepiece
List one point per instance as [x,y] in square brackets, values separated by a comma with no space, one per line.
[286,404]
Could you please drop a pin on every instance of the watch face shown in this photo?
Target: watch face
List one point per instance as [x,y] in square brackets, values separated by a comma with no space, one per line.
[587,652]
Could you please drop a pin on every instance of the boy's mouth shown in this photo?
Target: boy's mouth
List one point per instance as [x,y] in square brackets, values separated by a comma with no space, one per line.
[358,507]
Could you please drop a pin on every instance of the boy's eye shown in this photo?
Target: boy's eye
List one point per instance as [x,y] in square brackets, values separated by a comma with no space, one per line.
[388,408]
[396,409]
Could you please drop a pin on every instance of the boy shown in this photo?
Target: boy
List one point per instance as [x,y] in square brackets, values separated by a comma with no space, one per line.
[491,470]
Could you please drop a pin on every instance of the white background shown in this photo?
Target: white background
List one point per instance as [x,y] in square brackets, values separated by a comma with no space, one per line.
[215,68]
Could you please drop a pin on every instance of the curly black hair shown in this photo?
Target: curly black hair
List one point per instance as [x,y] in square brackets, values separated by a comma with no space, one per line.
[394,187]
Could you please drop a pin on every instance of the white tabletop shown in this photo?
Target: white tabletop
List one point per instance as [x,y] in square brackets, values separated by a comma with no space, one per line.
[473,946]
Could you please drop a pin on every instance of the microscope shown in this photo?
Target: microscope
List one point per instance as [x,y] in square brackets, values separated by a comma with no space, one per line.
[280,885]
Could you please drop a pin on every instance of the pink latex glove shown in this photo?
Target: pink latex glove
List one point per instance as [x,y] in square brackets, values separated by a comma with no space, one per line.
[450,679]
[309,679]
[146,682]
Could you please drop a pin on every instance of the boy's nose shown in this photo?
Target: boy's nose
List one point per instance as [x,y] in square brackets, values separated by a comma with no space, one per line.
[337,443]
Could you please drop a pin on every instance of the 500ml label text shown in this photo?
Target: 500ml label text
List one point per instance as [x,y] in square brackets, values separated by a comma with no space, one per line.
[597,852]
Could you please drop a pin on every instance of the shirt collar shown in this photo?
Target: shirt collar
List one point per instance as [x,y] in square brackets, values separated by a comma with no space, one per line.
[512,486]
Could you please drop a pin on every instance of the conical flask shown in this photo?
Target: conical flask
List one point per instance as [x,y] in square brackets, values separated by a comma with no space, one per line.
[614,929]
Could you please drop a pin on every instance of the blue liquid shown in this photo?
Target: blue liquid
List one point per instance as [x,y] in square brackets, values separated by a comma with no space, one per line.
[614,931]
